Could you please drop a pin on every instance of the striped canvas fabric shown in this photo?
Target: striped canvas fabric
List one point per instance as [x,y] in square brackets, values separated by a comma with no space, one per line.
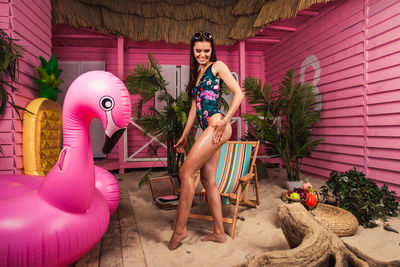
[234,162]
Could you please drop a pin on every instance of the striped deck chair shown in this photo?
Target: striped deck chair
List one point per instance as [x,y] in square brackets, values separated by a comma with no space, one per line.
[236,169]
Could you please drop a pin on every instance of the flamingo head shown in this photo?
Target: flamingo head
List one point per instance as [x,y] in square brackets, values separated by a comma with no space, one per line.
[101,94]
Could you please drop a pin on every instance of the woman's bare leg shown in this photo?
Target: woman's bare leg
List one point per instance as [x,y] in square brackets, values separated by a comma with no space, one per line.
[208,172]
[197,157]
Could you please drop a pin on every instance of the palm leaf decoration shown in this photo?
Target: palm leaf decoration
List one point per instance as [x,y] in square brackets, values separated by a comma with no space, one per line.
[283,119]
[10,54]
[147,82]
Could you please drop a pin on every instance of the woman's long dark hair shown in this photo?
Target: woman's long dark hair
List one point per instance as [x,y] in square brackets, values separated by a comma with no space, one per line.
[194,65]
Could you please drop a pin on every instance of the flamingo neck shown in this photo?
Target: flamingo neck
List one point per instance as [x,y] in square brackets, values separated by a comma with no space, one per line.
[70,184]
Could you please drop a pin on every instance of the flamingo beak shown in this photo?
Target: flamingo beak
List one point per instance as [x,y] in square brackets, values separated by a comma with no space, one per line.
[111,141]
[113,133]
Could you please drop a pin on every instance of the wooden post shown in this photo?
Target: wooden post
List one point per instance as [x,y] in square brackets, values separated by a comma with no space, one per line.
[120,69]
[242,75]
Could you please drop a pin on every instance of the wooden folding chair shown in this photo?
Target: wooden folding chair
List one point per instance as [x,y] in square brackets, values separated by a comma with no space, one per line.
[236,169]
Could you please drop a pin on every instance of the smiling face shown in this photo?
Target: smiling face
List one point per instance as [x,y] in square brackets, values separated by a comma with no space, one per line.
[202,52]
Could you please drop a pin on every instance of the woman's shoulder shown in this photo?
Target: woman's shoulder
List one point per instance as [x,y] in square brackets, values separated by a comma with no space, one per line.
[219,66]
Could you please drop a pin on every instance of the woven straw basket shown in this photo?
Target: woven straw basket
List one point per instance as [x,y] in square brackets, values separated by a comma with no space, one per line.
[340,221]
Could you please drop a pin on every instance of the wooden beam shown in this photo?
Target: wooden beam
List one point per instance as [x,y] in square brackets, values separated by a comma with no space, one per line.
[281,28]
[262,40]
[308,13]
[84,36]
[120,72]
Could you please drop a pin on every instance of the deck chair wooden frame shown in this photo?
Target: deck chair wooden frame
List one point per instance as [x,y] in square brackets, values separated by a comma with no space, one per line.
[240,194]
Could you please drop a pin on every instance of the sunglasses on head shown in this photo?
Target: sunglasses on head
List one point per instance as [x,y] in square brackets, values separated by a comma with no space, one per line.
[206,35]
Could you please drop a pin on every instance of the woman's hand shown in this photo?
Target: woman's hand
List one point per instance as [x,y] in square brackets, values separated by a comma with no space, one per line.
[180,145]
[219,128]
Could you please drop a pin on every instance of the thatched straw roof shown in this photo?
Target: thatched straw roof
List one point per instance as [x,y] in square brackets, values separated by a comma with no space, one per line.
[175,21]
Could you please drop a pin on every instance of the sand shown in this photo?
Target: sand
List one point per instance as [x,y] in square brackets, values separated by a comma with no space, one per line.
[257,233]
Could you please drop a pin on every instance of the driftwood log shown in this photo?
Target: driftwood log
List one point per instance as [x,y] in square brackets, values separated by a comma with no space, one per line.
[312,244]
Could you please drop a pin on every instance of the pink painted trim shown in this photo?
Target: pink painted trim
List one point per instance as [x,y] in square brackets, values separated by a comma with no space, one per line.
[365,90]
[242,74]
[263,40]
[120,70]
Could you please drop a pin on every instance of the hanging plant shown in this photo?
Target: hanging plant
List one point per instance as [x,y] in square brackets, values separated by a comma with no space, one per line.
[10,53]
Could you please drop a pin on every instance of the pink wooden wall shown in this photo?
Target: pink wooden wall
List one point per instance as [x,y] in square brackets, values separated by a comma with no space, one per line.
[166,54]
[30,22]
[357,46]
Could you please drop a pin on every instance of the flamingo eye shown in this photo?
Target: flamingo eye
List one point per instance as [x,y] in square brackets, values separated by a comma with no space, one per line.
[107,103]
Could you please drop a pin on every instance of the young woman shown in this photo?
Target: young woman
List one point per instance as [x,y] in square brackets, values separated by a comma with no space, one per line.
[204,89]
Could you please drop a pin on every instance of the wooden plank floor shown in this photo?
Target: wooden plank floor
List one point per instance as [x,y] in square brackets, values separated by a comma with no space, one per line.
[120,245]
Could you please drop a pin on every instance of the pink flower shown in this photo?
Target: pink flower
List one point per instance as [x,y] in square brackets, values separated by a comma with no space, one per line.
[209,95]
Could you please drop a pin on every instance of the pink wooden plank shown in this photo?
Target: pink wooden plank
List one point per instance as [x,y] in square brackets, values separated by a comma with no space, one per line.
[390,60]
[6,163]
[19,162]
[385,97]
[382,153]
[345,112]
[384,120]
[339,158]
[32,34]
[344,131]
[4,10]
[385,164]
[384,176]
[384,108]
[383,38]
[384,50]
[388,131]
[6,138]
[342,88]
[382,86]
[329,165]
[340,149]
[387,24]
[377,7]
[343,140]
[5,125]
[346,102]
[384,74]
[347,121]
[8,151]
[384,142]
[6,172]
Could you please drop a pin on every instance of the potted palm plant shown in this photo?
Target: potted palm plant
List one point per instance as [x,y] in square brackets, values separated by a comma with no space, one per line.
[10,53]
[147,82]
[283,120]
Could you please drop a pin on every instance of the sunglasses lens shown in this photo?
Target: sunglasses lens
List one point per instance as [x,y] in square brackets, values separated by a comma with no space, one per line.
[207,35]
[197,35]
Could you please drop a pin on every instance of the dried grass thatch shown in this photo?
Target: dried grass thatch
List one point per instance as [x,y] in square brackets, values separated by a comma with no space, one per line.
[175,21]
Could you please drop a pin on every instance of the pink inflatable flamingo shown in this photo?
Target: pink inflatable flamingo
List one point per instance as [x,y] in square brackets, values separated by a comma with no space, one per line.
[56,220]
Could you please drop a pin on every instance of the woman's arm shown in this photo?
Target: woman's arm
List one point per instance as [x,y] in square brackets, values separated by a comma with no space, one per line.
[223,72]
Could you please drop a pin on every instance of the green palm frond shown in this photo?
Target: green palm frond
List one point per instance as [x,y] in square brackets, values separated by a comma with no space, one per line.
[283,119]
[10,54]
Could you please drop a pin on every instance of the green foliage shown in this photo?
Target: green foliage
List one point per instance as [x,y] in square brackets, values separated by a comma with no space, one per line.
[49,78]
[147,82]
[10,54]
[361,196]
[283,119]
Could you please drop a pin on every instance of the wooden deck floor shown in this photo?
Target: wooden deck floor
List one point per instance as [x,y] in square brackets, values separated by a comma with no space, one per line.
[120,246]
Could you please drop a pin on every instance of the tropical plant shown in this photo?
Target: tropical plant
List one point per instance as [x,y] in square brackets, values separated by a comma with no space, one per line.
[283,119]
[49,78]
[361,196]
[10,53]
[147,82]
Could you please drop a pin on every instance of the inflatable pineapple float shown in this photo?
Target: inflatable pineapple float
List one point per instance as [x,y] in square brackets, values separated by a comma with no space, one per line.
[42,127]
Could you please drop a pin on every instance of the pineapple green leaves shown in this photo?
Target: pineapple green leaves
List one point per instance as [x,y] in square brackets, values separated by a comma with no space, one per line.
[49,78]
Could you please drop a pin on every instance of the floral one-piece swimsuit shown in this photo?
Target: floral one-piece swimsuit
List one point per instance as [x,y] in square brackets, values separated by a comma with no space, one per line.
[207,93]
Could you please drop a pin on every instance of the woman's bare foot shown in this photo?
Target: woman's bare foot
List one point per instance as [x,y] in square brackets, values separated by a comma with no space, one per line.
[176,240]
[214,237]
